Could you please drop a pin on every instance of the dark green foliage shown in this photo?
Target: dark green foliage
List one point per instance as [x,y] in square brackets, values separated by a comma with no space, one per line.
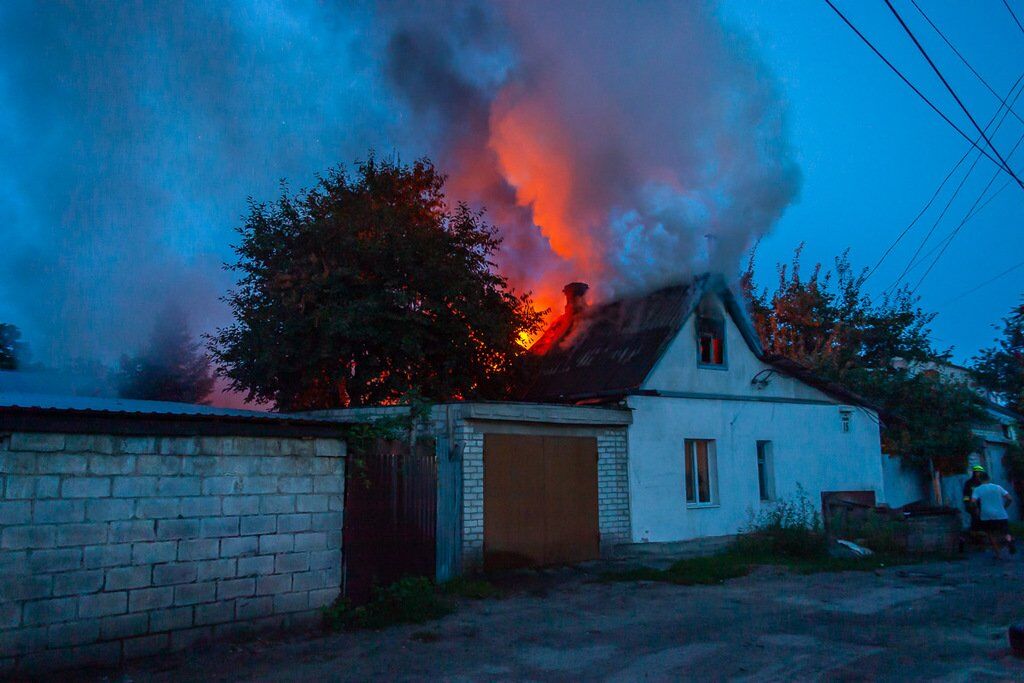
[172,367]
[412,600]
[12,350]
[1000,368]
[367,287]
[828,323]
[474,589]
[788,528]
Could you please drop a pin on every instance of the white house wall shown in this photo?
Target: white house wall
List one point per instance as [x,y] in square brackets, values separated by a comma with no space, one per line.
[808,447]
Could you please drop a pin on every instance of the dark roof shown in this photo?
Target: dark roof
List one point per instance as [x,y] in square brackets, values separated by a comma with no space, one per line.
[44,412]
[609,350]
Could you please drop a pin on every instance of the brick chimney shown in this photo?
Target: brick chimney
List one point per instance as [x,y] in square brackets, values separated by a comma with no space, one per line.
[575,297]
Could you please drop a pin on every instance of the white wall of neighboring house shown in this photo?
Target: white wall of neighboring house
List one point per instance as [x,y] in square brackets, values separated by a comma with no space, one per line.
[805,427]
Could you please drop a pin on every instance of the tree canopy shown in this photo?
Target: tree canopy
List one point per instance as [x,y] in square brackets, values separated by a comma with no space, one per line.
[369,287]
[827,322]
[1000,368]
[172,366]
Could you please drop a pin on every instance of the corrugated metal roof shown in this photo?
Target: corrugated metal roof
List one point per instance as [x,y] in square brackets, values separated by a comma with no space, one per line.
[127,407]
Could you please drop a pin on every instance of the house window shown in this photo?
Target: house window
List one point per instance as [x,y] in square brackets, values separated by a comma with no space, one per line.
[701,472]
[765,470]
[711,341]
[845,418]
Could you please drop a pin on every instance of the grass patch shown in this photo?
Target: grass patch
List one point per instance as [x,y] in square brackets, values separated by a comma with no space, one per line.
[472,589]
[413,600]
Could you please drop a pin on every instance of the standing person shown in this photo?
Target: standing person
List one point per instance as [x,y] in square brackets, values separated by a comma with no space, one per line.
[992,501]
[972,534]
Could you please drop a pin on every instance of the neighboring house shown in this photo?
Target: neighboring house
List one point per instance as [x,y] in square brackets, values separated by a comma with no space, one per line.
[907,485]
[718,429]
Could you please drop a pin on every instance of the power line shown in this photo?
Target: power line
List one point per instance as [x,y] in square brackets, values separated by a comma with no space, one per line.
[959,54]
[924,53]
[1014,15]
[915,89]
[1007,103]
[983,284]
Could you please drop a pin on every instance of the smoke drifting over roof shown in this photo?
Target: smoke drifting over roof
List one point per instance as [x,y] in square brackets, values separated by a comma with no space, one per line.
[605,139]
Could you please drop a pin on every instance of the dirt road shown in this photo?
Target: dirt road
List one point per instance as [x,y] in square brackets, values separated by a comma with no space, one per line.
[944,621]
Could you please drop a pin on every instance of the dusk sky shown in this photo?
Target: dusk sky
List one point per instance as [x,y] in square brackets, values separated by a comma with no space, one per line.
[133,133]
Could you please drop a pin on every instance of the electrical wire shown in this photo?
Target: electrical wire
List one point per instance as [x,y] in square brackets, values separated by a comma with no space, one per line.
[963,107]
[1014,15]
[914,88]
[983,284]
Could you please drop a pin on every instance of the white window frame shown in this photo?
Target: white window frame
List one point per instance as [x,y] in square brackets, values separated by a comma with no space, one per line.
[690,457]
[765,454]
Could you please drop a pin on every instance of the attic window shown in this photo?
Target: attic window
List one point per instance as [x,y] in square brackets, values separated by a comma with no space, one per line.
[711,341]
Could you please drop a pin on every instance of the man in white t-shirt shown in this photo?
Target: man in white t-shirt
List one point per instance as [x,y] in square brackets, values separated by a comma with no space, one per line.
[992,501]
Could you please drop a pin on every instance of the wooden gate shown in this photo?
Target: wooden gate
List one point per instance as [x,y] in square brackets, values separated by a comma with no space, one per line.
[540,500]
[390,516]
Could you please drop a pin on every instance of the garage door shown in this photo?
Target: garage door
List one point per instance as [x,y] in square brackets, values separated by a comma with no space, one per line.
[540,500]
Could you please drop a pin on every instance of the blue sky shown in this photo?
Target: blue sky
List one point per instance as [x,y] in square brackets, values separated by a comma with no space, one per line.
[872,153]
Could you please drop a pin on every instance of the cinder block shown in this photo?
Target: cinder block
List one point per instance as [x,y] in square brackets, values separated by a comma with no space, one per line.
[151,553]
[296,485]
[274,584]
[181,640]
[111,464]
[81,534]
[178,486]
[259,524]
[22,640]
[19,486]
[178,445]
[325,521]
[198,549]
[157,508]
[78,583]
[324,559]
[72,633]
[194,593]
[177,528]
[49,561]
[216,569]
[10,614]
[316,540]
[214,613]
[89,443]
[241,505]
[216,527]
[201,465]
[259,485]
[293,523]
[137,444]
[312,580]
[170,619]
[311,503]
[221,486]
[255,566]
[126,532]
[174,572]
[123,578]
[145,599]
[270,505]
[102,604]
[134,487]
[158,464]
[19,512]
[291,602]
[201,506]
[17,463]
[276,543]
[329,448]
[44,443]
[236,588]
[55,511]
[146,645]
[254,608]
[323,597]
[108,555]
[291,562]
[48,611]
[240,545]
[108,510]
[328,484]
[85,487]
[124,626]
[28,537]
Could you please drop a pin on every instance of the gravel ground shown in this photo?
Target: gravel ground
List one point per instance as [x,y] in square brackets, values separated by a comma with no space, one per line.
[942,621]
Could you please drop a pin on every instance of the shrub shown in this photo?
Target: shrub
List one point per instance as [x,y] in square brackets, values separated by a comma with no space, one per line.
[790,527]
[412,600]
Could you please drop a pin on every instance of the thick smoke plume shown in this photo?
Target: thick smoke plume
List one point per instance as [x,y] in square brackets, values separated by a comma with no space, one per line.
[626,144]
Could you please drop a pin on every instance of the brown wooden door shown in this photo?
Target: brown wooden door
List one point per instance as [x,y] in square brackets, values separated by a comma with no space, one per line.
[540,500]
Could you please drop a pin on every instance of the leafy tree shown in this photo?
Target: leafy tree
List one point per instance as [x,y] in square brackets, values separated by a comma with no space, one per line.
[172,367]
[12,349]
[828,323]
[366,288]
[1000,368]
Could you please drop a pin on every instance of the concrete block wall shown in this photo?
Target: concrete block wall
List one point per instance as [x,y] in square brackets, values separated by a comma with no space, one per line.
[115,547]
[613,487]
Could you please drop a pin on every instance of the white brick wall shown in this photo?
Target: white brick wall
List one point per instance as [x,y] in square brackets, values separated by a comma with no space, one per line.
[116,547]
